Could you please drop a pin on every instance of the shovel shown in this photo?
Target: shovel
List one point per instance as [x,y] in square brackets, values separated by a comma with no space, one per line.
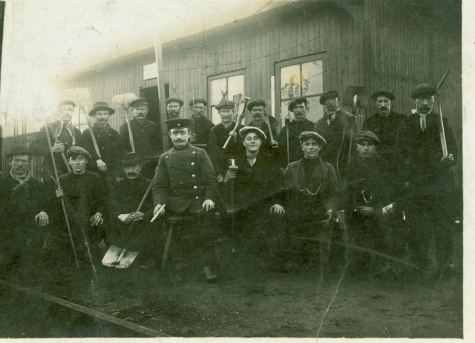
[122,258]
[123,101]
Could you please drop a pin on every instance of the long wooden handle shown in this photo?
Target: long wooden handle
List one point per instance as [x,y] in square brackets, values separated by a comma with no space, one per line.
[266,118]
[238,122]
[443,141]
[62,199]
[68,167]
[131,136]
[94,142]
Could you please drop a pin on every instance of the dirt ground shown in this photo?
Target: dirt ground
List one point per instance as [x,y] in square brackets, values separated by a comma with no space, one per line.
[245,302]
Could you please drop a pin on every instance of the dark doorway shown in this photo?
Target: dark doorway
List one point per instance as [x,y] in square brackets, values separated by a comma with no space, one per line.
[151,93]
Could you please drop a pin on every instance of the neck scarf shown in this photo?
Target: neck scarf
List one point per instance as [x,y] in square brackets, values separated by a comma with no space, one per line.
[422,121]
[251,157]
[70,127]
[22,183]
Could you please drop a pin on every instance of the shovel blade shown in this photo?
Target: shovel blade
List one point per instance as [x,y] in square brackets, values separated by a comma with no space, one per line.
[113,254]
[362,99]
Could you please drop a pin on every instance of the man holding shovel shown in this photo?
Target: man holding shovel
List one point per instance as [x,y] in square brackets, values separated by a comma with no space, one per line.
[65,136]
[186,184]
[23,211]
[201,126]
[125,195]
[259,119]
[108,143]
[85,195]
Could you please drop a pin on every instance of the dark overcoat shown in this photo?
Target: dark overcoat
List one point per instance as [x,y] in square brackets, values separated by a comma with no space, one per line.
[147,138]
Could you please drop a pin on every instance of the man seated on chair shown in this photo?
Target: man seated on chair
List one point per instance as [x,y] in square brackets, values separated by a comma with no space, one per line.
[85,197]
[186,184]
[252,193]
[125,197]
[313,196]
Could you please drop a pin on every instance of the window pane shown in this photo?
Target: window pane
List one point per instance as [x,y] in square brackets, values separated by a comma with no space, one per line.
[76,119]
[235,86]
[283,110]
[218,87]
[315,110]
[290,82]
[312,78]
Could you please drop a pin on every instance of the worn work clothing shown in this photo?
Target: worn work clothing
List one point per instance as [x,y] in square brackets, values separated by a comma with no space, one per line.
[185,178]
[295,129]
[147,138]
[429,202]
[340,136]
[68,135]
[386,130]
[110,148]
[217,138]
[201,126]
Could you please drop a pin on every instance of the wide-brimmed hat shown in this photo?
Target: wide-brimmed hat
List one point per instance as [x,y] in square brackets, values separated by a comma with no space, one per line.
[387,94]
[366,135]
[297,101]
[198,101]
[424,88]
[331,94]
[247,129]
[19,150]
[101,106]
[306,135]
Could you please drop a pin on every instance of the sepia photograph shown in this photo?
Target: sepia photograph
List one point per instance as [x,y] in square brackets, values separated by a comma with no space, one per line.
[218,169]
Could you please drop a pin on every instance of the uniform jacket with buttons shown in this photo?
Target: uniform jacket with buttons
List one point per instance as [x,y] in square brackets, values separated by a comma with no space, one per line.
[386,130]
[147,138]
[40,146]
[108,142]
[185,178]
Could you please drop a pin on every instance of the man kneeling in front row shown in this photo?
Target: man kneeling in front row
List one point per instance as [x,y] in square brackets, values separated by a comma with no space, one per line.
[186,184]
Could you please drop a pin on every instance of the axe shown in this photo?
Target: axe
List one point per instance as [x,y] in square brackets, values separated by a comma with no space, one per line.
[122,101]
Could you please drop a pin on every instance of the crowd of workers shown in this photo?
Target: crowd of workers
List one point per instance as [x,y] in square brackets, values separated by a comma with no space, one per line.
[385,188]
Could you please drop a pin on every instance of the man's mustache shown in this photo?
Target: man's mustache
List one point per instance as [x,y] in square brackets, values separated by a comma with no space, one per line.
[132,173]
[383,108]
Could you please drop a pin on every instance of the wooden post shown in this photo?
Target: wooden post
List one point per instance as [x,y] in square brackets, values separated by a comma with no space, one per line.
[163,112]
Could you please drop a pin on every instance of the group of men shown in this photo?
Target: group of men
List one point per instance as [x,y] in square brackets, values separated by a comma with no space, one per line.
[391,178]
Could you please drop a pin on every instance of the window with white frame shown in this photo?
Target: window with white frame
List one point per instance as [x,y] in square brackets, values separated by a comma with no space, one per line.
[224,85]
[302,77]
[79,119]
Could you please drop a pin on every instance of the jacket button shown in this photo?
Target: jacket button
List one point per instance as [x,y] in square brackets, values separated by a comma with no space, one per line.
[195,187]
[192,163]
[196,197]
[181,183]
[193,152]
[171,179]
[193,175]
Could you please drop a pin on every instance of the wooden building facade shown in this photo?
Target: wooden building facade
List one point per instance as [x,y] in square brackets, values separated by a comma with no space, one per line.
[301,49]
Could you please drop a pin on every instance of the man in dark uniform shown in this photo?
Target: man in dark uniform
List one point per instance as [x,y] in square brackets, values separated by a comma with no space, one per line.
[85,196]
[146,134]
[253,192]
[299,124]
[201,126]
[108,142]
[174,106]
[427,176]
[125,197]
[218,136]
[257,109]
[67,136]
[186,184]
[339,129]
[368,188]
[314,194]
[384,123]
[23,212]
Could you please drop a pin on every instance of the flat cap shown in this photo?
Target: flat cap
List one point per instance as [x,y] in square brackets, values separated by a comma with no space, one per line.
[258,102]
[78,150]
[139,102]
[101,106]
[198,101]
[306,135]
[130,159]
[247,129]
[18,150]
[387,94]
[224,104]
[366,135]
[67,102]
[178,123]
[297,101]
[169,100]
[331,94]
[424,88]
